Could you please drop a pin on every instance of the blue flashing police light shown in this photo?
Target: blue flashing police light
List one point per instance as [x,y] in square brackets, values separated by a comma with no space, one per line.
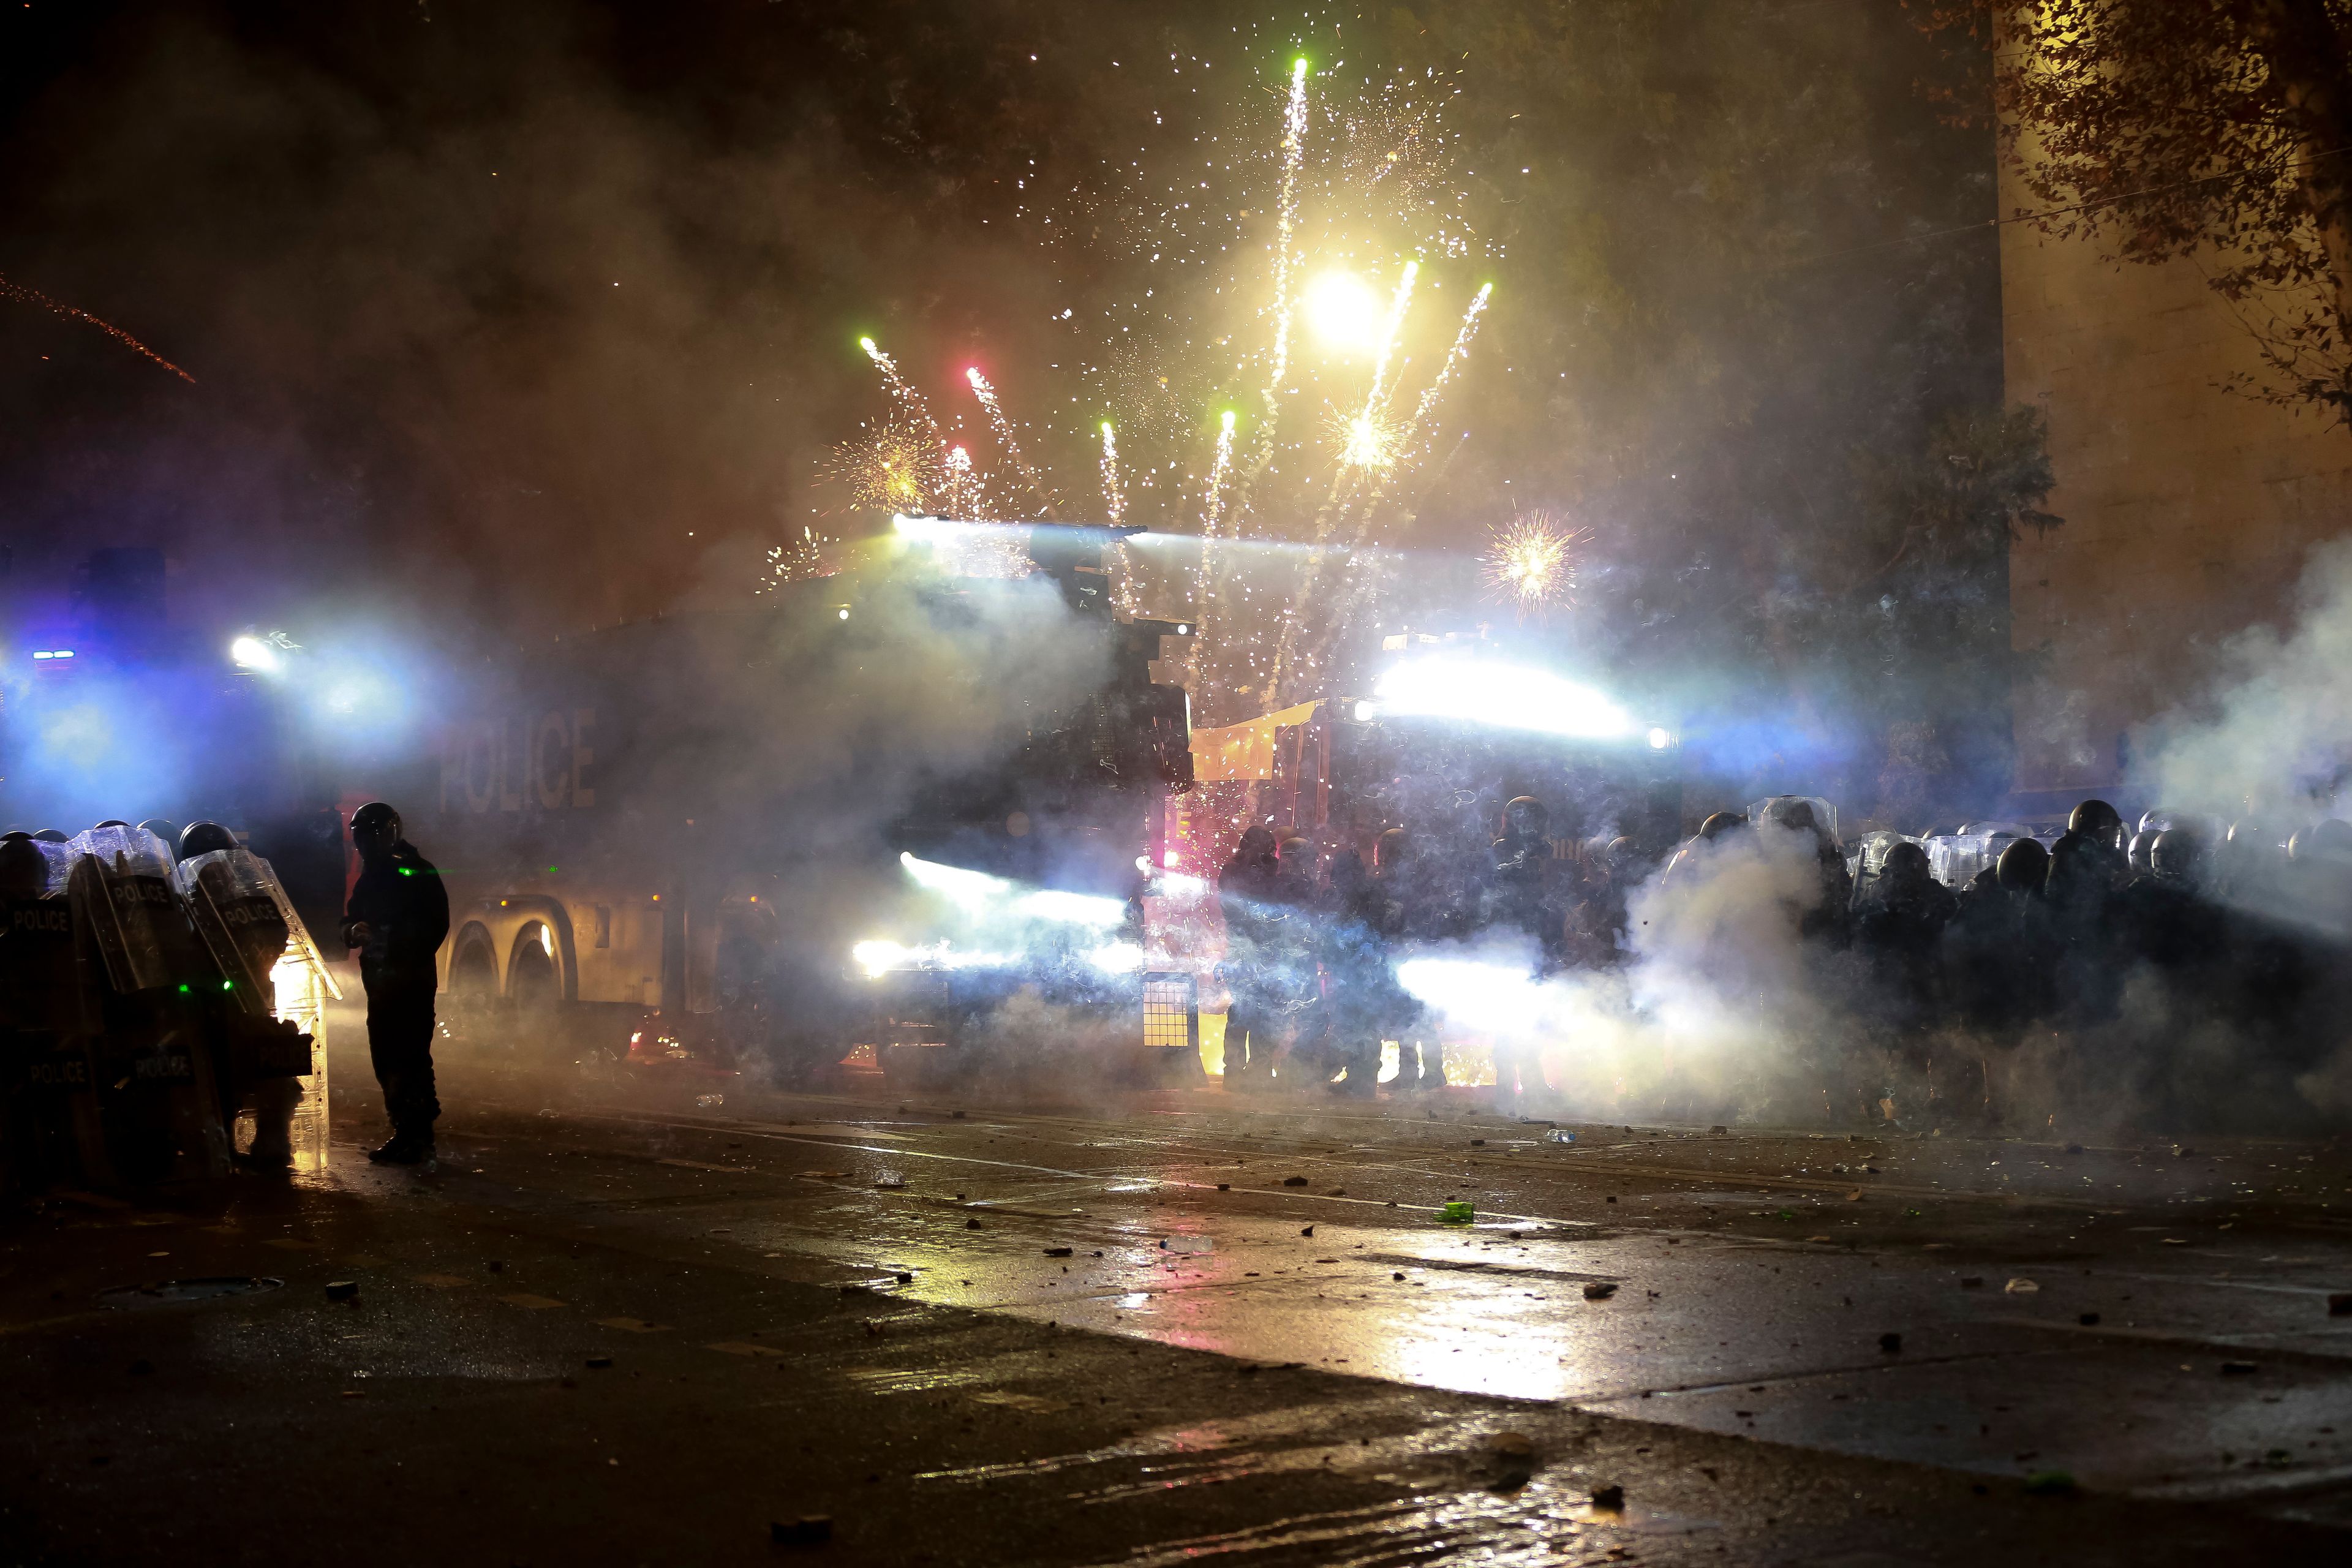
[53,653]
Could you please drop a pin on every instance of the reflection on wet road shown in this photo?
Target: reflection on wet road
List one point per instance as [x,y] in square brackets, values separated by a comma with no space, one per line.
[2149,1322]
[615,1326]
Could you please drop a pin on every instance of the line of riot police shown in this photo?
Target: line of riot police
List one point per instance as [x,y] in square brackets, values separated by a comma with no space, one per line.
[2108,949]
[139,1006]
[1310,962]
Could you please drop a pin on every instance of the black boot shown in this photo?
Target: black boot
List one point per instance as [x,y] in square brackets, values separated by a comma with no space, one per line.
[405,1148]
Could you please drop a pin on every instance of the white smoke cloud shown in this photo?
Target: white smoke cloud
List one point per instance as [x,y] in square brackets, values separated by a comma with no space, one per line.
[2273,734]
[1721,1011]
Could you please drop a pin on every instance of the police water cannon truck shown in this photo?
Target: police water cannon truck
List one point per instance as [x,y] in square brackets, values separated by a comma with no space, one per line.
[871,809]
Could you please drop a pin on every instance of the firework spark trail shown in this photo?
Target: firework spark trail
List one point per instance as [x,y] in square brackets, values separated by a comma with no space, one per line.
[20,294]
[1344,611]
[903,393]
[1113,490]
[1368,446]
[997,422]
[1286,231]
[1285,227]
[1397,306]
[967,498]
[1453,357]
[1213,512]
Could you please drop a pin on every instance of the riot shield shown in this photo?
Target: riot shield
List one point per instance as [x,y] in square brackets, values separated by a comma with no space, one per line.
[49,1125]
[157,1080]
[281,983]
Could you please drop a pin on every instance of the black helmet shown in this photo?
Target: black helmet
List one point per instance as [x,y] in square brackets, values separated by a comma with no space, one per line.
[169,832]
[2098,820]
[1256,843]
[2321,842]
[375,827]
[53,836]
[1295,849]
[1906,865]
[1390,849]
[1525,817]
[2177,854]
[112,821]
[24,870]
[2142,843]
[1721,823]
[2157,818]
[203,838]
[2024,866]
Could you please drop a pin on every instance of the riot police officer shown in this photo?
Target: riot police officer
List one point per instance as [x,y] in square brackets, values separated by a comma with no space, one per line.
[1246,892]
[397,917]
[1412,907]
[48,1091]
[1355,964]
[1516,897]
[260,932]
[1515,894]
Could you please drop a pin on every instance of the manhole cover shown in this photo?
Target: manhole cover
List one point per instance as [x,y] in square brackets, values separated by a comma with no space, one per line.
[175,1292]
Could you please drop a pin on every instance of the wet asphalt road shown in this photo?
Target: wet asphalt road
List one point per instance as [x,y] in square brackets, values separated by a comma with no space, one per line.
[616,1326]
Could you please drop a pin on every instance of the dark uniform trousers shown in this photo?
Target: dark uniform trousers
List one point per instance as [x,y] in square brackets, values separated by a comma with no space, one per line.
[400,1047]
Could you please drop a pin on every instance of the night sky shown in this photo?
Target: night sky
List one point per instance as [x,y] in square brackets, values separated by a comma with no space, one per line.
[505,319]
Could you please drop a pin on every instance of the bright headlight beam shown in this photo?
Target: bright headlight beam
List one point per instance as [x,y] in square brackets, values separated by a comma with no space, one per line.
[1076,908]
[1499,696]
[252,653]
[878,957]
[1503,999]
[1117,958]
[970,890]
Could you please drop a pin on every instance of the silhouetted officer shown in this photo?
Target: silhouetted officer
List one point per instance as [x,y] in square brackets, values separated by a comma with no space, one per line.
[398,915]
[1248,891]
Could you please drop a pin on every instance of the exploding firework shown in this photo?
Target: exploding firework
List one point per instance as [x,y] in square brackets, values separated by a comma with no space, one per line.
[893,465]
[1530,561]
[1363,440]
[807,556]
[59,309]
[1341,224]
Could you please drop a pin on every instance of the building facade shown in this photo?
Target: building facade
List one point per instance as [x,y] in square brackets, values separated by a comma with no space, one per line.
[2189,508]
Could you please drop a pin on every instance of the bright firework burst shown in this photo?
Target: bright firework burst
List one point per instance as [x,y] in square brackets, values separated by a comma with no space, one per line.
[894,466]
[1342,212]
[1530,561]
[804,557]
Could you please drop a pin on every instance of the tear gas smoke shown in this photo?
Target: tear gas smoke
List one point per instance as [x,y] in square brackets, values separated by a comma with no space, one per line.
[2273,737]
[1723,1009]
[1720,1010]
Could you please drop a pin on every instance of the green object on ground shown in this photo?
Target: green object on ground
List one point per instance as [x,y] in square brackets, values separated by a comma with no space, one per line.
[1456,1212]
[2050,1483]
